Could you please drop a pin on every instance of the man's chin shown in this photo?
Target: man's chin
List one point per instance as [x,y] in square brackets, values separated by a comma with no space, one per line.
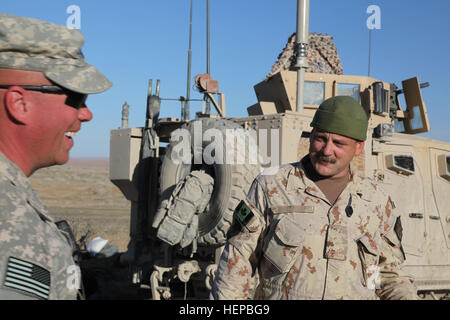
[54,162]
[325,169]
[61,158]
[63,161]
[324,172]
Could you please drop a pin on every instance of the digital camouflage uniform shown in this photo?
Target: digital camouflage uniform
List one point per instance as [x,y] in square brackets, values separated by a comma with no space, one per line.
[35,260]
[299,246]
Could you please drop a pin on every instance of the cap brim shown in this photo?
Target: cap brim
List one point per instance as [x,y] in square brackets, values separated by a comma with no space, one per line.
[85,80]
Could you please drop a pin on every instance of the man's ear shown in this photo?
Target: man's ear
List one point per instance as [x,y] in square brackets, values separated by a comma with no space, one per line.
[359,148]
[17,104]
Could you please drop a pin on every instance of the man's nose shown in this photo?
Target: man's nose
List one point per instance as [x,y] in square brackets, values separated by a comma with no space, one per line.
[84,114]
[327,148]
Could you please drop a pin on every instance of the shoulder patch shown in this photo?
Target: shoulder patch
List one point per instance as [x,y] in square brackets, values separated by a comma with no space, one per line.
[243,213]
[27,277]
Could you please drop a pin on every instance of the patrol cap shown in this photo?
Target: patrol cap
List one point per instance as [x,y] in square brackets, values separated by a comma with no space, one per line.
[55,50]
[342,115]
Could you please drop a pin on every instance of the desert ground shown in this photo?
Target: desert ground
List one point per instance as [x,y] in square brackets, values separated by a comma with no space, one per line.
[81,193]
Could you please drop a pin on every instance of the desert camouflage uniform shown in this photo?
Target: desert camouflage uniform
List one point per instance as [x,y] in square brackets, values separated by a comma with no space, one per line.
[35,258]
[299,246]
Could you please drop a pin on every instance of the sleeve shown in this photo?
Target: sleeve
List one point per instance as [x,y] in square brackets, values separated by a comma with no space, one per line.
[395,283]
[16,282]
[33,264]
[236,277]
[19,270]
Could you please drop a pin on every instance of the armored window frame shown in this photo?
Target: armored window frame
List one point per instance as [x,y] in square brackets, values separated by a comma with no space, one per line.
[444,166]
[416,120]
[400,163]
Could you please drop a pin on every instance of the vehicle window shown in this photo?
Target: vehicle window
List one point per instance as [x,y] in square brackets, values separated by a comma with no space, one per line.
[416,121]
[352,90]
[314,92]
[404,162]
[444,166]
[399,125]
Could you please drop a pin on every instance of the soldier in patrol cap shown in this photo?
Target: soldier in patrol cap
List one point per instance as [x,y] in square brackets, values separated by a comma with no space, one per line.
[317,229]
[44,83]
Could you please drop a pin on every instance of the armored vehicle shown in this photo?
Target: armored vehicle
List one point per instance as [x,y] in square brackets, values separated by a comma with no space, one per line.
[185,177]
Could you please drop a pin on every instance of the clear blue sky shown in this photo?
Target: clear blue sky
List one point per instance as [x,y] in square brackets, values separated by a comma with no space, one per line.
[133,41]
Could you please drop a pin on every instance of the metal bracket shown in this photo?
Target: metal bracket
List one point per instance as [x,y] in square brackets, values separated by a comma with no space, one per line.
[210,274]
[155,279]
[187,269]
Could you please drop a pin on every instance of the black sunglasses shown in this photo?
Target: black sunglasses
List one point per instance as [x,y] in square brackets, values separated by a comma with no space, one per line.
[74,99]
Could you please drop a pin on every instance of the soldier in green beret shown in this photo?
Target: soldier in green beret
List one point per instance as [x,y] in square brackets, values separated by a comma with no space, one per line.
[44,83]
[317,229]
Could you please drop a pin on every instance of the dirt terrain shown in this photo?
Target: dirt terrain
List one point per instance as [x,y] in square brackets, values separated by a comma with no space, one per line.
[81,193]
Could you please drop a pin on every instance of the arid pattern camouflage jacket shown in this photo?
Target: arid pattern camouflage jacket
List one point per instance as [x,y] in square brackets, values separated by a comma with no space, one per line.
[35,259]
[299,246]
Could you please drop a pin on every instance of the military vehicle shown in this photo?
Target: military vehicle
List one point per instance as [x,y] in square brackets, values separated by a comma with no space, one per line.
[182,198]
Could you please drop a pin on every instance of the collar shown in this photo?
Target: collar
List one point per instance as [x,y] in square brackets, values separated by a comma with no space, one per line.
[359,185]
[297,179]
[14,174]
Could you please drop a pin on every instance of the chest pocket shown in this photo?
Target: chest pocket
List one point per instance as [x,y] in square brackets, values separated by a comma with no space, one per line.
[336,246]
[282,247]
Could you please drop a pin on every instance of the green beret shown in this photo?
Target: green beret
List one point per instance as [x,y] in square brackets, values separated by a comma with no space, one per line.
[55,50]
[342,115]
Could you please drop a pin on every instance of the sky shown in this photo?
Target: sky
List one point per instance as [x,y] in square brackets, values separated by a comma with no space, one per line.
[133,41]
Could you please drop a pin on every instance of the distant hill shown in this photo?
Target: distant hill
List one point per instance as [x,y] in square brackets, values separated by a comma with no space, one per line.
[89,162]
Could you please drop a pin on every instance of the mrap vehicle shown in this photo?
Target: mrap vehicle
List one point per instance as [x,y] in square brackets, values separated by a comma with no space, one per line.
[175,178]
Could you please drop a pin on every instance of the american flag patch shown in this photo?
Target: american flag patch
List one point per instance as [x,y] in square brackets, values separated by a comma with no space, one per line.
[28,277]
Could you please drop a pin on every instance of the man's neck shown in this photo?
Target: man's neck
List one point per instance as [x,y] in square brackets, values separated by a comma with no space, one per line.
[16,156]
[331,187]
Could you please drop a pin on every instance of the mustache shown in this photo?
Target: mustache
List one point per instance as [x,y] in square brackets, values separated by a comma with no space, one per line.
[321,157]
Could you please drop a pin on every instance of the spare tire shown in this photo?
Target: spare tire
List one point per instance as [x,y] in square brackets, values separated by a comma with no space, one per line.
[231,180]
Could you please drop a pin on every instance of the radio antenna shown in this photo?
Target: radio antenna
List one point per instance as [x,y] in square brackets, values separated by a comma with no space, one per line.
[208,105]
[370,52]
[185,112]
